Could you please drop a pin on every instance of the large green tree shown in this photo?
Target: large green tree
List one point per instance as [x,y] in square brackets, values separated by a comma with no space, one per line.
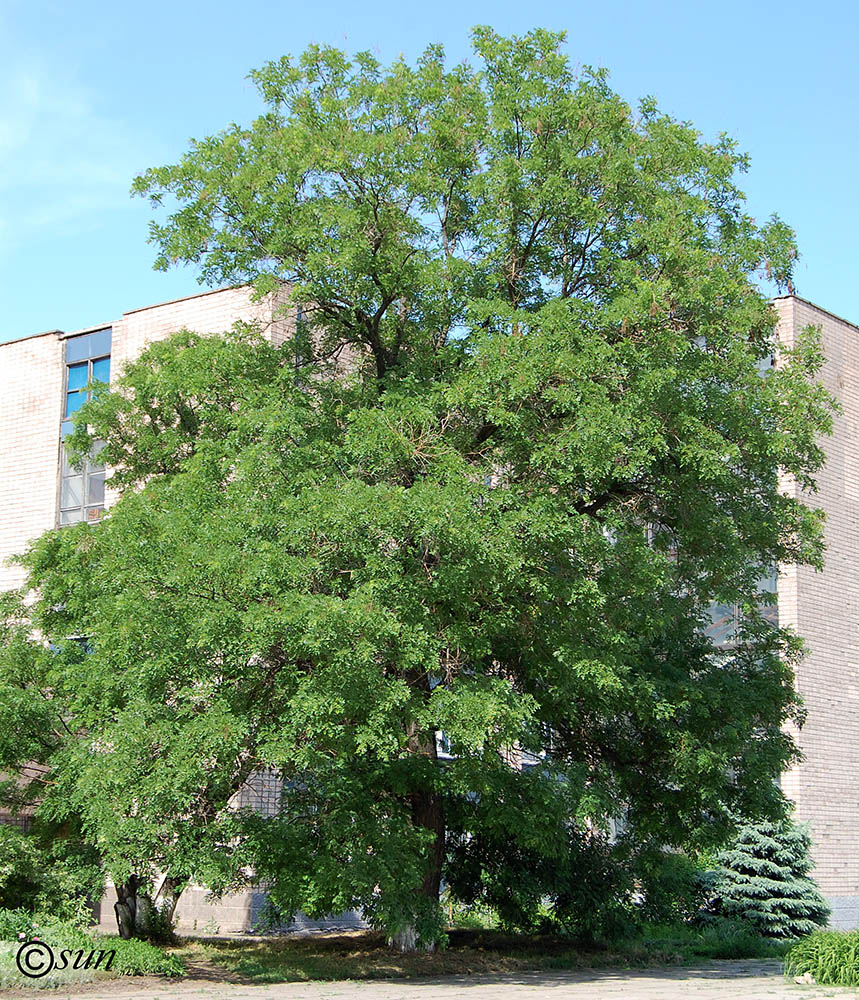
[519,444]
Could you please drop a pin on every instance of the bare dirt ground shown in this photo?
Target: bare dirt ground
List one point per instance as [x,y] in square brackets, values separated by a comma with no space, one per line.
[725,980]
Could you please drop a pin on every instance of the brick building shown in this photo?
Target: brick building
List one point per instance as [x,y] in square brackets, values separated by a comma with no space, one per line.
[43,378]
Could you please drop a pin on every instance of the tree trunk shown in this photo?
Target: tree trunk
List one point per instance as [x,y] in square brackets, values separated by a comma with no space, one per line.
[138,916]
[427,812]
[126,907]
[168,895]
[405,939]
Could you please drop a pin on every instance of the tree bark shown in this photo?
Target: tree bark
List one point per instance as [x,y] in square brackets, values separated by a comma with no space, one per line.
[427,812]
[126,907]
[139,916]
[167,896]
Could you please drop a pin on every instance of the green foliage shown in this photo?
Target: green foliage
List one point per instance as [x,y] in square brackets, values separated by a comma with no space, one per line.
[764,881]
[14,922]
[518,446]
[832,958]
[672,887]
[140,958]
[719,938]
[59,935]
[578,883]
[40,870]
[131,958]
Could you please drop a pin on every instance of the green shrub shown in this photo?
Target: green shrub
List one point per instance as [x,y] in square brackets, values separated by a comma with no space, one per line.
[832,957]
[591,889]
[672,887]
[764,881]
[584,891]
[140,958]
[720,938]
[59,935]
[14,923]
[132,958]
[38,871]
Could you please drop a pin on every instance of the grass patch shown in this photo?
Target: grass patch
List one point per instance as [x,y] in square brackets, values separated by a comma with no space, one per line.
[832,957]
[469,952]
[140,958]
[365,955]
[132,958]
[721,939]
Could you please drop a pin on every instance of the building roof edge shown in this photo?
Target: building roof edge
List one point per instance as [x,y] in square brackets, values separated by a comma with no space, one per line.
[186,298]
[814,305]
[32,336]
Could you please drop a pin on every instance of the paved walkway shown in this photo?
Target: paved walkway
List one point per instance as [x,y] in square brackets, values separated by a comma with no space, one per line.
[740,980]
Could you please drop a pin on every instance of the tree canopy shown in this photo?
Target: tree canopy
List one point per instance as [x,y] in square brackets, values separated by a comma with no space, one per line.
[443,562]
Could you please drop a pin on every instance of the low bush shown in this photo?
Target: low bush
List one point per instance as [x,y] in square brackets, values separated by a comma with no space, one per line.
[719,938]
[832,957]
[140,958]
[43,872]
[131,958]
[673,887]
[16,922]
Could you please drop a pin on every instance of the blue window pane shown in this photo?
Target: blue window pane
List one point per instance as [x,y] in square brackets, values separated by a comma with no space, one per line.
[88,345]
[66,427]
[78,376]
[74,401]
[99,343]
[101,370]
[77,348]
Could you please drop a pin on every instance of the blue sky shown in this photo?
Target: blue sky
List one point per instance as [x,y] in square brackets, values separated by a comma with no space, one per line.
[93,93]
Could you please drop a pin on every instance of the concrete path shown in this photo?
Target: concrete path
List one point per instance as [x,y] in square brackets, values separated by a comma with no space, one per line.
[736,980]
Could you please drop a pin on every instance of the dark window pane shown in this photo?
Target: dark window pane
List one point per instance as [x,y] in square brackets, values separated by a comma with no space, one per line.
[71,516]
[723,624]
[71,494]
[93,513]
[74,401]
[78,376]
[101,370]
[99,343]
[95,488]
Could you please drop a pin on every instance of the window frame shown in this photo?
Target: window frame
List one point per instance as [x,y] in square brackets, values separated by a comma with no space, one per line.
[95,346]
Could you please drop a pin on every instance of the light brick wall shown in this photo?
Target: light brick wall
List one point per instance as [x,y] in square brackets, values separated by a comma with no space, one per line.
[211,312]
[30,411]
[824,609]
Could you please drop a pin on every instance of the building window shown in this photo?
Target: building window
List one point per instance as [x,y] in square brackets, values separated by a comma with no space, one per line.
[82,486]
